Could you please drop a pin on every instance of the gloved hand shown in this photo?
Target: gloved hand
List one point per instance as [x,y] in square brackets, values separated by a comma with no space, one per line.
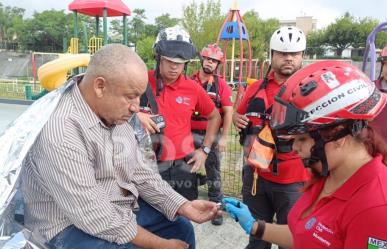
[240,212]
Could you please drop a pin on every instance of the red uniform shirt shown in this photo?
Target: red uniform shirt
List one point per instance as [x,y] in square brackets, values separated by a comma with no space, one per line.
[176,103]
[353,217]
[291,168]
[224,95]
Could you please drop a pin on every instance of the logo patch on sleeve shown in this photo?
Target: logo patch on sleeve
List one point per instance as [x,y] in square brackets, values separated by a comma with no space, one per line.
[374,243]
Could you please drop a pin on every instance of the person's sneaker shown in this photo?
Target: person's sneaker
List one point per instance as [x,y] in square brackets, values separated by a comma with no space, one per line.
[217,221]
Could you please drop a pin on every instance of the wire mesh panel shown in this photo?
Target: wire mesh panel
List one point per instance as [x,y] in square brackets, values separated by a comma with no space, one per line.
[16,89]
[231,166]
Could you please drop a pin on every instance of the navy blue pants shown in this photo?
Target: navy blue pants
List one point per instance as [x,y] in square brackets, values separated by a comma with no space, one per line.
[147,217]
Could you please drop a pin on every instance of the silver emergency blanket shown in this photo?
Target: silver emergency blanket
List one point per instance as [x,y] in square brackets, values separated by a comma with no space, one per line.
[15,141]
[144,143]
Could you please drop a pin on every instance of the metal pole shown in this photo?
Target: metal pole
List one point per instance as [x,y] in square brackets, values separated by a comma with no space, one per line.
[75,24]
[125,20]
[96,26]
[105,37]
[232,61]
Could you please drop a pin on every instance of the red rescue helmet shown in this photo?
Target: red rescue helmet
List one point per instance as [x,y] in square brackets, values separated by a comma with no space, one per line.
[324,94]
[213,51]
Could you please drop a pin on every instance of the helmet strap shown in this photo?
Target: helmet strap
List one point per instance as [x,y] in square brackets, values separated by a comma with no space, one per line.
[318,153]
[354,127]
[159,81]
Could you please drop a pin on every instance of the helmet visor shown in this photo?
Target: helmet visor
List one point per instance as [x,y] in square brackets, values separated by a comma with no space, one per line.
[176,49]
[287,119]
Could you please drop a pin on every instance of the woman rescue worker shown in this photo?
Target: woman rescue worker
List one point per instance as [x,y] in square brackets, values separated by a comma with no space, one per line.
[325,108]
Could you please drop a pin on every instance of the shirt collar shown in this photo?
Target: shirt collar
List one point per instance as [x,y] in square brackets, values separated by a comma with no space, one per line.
[197,78]
[362,176]
[173,86]
[89,117]
[271,76]
[176,84]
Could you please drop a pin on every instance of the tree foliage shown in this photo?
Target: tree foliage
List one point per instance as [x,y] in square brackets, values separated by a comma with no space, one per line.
[137,25]
[349,31]
[314,44]
[165,21]
[45,31]
[203,21]
[260,32]
[145,51]
[11,22]
[340,34]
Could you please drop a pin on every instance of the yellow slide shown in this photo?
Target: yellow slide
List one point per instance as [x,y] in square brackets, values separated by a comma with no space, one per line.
[54,73]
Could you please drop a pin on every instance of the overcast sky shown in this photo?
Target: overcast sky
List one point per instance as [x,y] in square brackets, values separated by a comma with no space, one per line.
[325,11]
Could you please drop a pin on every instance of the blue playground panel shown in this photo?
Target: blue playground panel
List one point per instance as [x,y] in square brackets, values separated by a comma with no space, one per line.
[231,31]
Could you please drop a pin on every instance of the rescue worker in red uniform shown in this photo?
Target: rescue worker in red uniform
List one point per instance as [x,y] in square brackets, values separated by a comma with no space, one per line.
[381,83]
[220,93]
[170,100]
[326,107]
[272,191]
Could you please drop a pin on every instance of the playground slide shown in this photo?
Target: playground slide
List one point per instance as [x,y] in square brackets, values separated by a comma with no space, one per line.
[54,73]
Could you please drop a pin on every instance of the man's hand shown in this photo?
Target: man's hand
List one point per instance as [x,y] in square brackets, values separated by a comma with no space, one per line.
[147,122]
[173,244]
[240,121]
[222,143]
[198,159]
[199,211]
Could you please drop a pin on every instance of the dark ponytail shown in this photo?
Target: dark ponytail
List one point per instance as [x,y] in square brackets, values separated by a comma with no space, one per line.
[373,141]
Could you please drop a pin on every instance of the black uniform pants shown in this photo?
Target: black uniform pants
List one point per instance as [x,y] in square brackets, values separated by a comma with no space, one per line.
[212,164]
[178,174]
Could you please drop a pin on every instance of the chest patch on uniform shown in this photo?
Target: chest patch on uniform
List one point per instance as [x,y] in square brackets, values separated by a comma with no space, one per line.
[374,243]
[183,100]
[310,224]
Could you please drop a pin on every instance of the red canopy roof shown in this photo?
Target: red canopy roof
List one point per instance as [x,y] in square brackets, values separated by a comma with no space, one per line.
[95,7]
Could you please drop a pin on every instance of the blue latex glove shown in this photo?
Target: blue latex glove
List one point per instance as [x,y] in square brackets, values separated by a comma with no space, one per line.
[240,212]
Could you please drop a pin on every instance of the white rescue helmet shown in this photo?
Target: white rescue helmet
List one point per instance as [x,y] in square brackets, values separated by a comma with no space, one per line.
[175,44]
[288,39]
[175,33]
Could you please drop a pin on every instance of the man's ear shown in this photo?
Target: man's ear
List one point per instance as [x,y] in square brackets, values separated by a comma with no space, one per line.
[99,85]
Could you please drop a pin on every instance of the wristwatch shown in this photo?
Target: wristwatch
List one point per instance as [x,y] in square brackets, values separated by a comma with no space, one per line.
[205,149]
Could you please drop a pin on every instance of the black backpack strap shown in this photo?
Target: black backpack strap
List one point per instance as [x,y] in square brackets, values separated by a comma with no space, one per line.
[151,99]
[148,99]
[144,103]
[216,82]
